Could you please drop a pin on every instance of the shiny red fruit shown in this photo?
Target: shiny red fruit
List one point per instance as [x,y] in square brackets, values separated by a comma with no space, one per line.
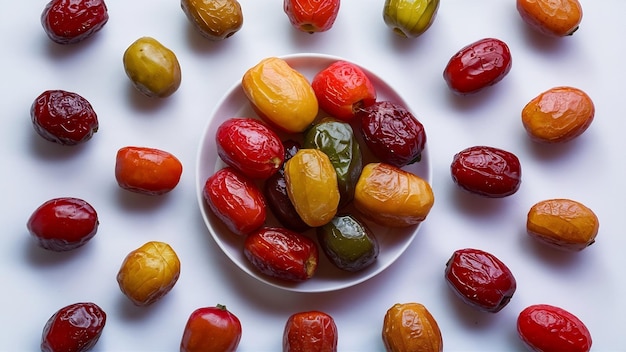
[63,224]
[147,171]
[235,200]
[63,117]
[282,253]
[74,328]
[487,171]
[71,21]
[546,328]
[310,331]
[342,88]
[311,16]
[478,66]
[213,329]
[250,146]
[480,279]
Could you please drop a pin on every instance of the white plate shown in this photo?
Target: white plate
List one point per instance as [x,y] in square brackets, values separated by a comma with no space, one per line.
[327,278]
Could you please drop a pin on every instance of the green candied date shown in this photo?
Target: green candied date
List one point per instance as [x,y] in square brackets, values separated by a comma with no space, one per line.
[348,243]
[336,139]
[410,18]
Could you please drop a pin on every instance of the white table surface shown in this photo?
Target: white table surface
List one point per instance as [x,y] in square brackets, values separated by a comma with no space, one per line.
[36,283]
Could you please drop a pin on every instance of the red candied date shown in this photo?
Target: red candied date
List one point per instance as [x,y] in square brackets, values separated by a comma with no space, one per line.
[310,331]
[74,328]
[71,21]
[63,224]
[545,328]
[63,117]
[487,171]
[478,66]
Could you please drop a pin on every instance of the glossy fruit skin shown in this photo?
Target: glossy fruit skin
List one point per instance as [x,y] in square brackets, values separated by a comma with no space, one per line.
[348,243]
[148,171]
[410,18]
[249,146]
[337,140]
[558,115]
[480,279]
[547,328]
[63,224]
[390,196]
[312,16]
[392,133]
[280,95]
[552,18]
[73,328]
[342,88]
[477,66]
[63,117]
[281,253]
[148,273]
[312,186]
[211,329]
[236,200]
[411,327]
[310,331]
[563,224]
[487,171]
[215,20]
[152,68]
[72,21]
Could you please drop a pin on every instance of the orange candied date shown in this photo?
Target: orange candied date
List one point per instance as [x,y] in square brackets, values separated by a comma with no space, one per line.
[553,18]
[312,16]
[71,21]
[147,170]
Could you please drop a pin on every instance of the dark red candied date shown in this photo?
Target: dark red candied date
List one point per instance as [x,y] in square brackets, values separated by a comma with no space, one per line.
[275,191]
[487,171]
[478,66]
[63,224]
[392,133]
[250,146]
[74,328]
[63,117]
[480,279]
[71,21]
[282,253]
[235,200]
[544,328]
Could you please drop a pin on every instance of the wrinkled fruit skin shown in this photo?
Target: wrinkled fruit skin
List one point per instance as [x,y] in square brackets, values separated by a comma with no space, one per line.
[63,117]
[147,171]
[552,18]
[390,196]
[250,146]
[72,21]
[546,328]
[311,16]
[487,171]
[282,254]
[392,133]
[63,224]
[148,273]
[214,19]
[348,243]
[410,18]
[74,328]
[480,279]
[558,115]
[342,88]
[411,327]
[236,201]
[211,329]
[310,331]
[152,68]
[477,66]
[563,224]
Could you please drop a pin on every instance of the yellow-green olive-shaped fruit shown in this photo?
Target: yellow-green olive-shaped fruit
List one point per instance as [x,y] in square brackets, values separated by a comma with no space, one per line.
[153,69]
[410,18]
[214,19]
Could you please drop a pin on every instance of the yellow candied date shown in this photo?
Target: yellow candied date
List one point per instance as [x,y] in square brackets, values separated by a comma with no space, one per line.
[312,186]
[280,95]
[152,68]
[392,197]
[411,327]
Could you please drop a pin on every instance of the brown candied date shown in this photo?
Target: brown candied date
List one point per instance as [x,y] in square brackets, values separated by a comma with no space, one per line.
[275,191]
[63,117]
[74,328]
[71,21]
[487,171]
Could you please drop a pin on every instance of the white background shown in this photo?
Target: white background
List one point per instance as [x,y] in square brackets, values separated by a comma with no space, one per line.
[36,283]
